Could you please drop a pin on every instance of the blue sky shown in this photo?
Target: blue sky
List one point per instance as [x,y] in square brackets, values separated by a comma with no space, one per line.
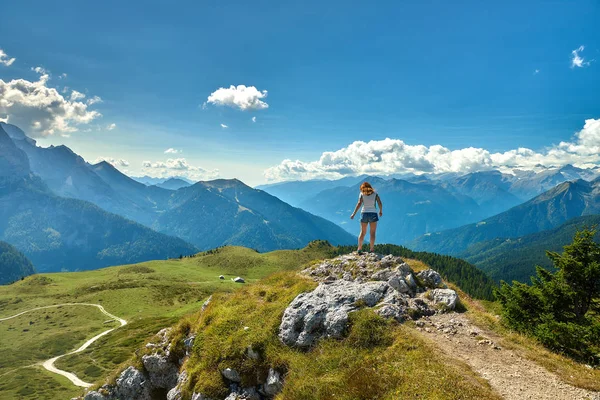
[457,74]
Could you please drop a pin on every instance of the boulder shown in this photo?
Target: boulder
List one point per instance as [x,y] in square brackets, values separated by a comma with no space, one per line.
[231,375]
[324,311]
[411,281]
[221,276]
[175,393]
[382,275]
[163,373]
[399,284]
[274,384]
[132,385]
[93,395]
[445,296]
[430,278]
[239,280]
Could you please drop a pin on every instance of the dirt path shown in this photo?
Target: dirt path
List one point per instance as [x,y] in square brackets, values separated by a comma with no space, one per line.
[511,375]
[49,364]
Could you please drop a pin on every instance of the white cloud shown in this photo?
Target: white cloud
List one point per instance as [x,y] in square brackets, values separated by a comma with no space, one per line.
[93,100]
[75,95]
[253,119]
[537,71]
[224,126]
[62,76]
[391,156]
[42,109]
[577,60]
[40,70]
[114,162]
[111,126]
[241,97]
[4,60]
[172,151]
[177,167]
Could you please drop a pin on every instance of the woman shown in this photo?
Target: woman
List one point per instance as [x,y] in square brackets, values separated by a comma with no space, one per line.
[367,198]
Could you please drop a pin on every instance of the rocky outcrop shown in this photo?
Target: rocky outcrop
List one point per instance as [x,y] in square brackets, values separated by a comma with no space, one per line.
[160,373]
[352,281]
[324,311]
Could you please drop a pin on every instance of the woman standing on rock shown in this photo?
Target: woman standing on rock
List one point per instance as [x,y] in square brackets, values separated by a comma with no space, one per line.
[367,198]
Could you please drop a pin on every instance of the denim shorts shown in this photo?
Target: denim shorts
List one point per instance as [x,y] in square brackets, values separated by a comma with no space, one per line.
[369,217]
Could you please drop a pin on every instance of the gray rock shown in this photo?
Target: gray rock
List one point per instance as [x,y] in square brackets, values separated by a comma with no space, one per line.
[411,281]
[221,276]
[430,278]
[253,355]
[418,308]
[445,296]
[274,384]
[93,395]
[206,303]
[382,275]
[163,373]
[199,396]
[239,280]
[175,393]
[232,375]
[324,311]
[392,311]
[398,283]
[188,343]
[403,268]
[132,385]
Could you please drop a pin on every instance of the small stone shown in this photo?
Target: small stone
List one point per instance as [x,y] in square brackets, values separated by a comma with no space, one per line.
[221,276]
[232,375]
[239,280]
[274,384]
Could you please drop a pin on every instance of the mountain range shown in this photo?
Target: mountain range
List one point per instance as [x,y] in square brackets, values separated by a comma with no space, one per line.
[549,210]
[64,213]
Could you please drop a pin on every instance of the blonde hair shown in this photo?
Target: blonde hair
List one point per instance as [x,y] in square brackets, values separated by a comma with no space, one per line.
[366,189]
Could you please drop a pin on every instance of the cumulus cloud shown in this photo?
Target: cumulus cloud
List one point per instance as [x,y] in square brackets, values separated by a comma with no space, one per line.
[4,60]
[172,151]
[391,156]
[253,119]
[241,97]
[40,70]
[41,109]
[93,100]
[111,126]
[114,162]
[577,60]
[75,95]
[177,167]
[224,126]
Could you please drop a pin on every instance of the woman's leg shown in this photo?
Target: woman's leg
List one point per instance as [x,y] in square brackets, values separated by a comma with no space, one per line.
[363,233]
[373,230]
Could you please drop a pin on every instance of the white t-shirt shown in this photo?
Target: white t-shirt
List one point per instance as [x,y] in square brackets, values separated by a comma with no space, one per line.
[368,202]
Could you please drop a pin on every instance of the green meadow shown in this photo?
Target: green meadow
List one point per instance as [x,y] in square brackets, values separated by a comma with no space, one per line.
[150,296]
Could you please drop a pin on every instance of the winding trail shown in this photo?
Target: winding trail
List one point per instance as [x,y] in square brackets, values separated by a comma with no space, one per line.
[49,364]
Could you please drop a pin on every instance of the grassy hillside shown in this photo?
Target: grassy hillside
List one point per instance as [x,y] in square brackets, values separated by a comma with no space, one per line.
[377,360]
[13,264]
[150,296]
[516,258]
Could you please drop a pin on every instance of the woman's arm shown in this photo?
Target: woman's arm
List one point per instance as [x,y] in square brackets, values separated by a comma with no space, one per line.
[380,204]
[360,200]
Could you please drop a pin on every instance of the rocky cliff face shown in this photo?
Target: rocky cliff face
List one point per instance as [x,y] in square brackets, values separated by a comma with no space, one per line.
[347,283]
